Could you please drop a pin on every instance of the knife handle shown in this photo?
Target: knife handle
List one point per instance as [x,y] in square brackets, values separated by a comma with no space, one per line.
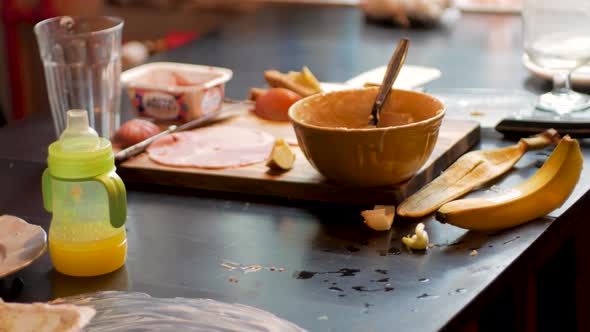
[141,146]
[529,126]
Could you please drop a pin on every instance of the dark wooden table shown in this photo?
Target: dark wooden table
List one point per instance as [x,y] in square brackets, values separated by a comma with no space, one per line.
[178,238]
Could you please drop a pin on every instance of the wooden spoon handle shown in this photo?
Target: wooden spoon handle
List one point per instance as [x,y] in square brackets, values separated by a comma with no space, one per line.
[393,69]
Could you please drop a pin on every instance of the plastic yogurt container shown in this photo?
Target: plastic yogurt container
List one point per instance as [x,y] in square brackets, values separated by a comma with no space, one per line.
[175,92]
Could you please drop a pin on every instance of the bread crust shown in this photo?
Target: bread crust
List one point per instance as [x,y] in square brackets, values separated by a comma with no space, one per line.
[43,317]
[276,79]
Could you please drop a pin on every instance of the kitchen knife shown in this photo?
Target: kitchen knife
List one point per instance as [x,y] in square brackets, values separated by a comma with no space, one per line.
[526,126]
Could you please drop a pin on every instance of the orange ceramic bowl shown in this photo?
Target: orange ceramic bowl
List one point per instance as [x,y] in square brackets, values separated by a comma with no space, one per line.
[333,134]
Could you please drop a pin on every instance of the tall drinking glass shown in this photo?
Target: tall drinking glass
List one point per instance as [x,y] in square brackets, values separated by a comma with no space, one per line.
[557,38]
[82,61]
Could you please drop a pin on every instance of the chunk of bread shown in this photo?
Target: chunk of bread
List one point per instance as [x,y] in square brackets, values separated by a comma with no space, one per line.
[380,218]
[42,317]
[276,79]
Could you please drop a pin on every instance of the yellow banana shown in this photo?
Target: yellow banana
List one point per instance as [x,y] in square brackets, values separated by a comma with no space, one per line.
[469,172]
[545,191]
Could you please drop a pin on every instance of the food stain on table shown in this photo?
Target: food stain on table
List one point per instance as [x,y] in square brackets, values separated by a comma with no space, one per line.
[232,266]
[347,272]
[365,289]
[352,249]
[458,291]
[366,307]
[427,296]
[512,240]
[390,251]
[344,272]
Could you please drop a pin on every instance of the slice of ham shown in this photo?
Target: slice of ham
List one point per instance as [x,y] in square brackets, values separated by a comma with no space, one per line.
[213,147]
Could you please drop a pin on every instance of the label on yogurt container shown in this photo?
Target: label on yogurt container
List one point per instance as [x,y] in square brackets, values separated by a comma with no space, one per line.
[160,105]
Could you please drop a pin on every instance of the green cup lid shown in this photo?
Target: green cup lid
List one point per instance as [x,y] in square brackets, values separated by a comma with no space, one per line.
[80,153]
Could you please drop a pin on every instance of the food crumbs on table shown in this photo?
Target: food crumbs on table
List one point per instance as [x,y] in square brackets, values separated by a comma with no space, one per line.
[473,253]
[324,317]
[232,266]
[418,241]
[254,268]
[232,279]
[351,249]
[380,218]
[477,113]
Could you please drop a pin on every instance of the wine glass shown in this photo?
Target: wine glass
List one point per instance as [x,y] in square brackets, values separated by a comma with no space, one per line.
[557,38]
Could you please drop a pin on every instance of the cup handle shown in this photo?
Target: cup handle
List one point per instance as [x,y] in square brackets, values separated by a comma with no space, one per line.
[46,190]
[117,197]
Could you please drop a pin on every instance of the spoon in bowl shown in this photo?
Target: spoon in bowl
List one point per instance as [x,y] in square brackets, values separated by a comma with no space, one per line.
[393,68]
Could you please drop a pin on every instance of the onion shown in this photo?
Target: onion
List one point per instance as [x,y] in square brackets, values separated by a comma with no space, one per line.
[274,104]
[135,131]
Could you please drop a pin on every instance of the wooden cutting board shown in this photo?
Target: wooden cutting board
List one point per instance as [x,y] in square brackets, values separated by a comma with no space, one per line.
[303,181]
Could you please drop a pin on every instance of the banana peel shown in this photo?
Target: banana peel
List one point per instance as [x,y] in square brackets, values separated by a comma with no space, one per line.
[469,172]
[542,193]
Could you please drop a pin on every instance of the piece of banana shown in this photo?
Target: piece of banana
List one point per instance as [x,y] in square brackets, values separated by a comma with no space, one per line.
[418,241]
[281,157]
[469,172]
[545,191]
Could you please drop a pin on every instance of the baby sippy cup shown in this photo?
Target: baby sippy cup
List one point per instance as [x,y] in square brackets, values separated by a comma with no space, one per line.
[88,202]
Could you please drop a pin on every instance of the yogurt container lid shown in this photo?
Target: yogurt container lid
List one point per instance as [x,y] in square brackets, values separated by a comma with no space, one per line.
[172,76]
